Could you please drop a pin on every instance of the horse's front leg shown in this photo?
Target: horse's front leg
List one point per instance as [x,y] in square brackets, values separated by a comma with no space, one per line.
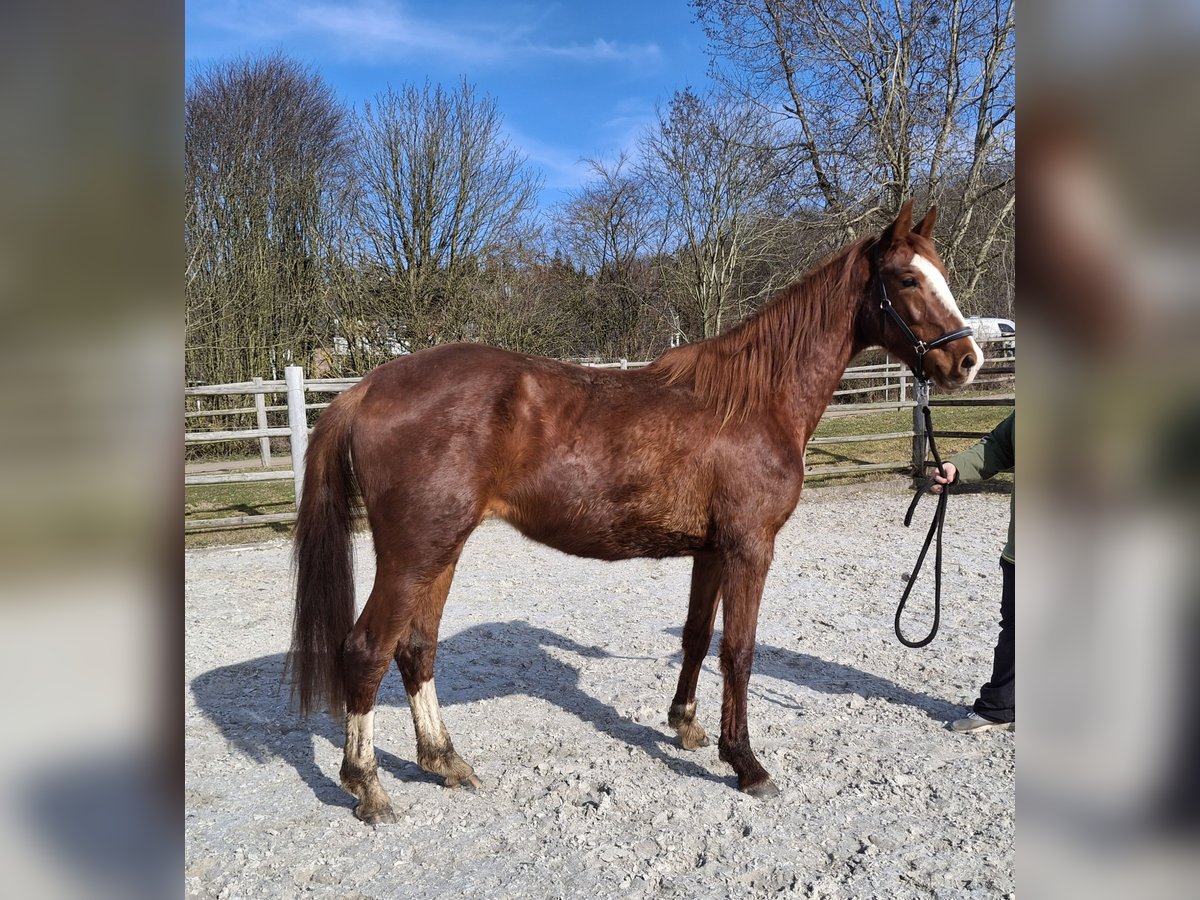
[697,635]
[742,587]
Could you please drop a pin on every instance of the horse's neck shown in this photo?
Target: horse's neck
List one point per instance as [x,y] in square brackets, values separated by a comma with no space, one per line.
[785,361]
[807,389]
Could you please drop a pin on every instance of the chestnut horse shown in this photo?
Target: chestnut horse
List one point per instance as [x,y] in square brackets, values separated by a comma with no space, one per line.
[699,454]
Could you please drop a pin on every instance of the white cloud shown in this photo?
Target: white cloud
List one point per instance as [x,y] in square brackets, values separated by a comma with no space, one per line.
[367,29]
[601,50]
[563,169]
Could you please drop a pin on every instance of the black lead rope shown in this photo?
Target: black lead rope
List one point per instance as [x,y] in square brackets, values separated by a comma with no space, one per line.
[935,529]
[939,515]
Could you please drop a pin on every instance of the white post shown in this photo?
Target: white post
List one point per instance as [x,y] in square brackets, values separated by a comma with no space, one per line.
[624,363]
[298,423]
[260,411]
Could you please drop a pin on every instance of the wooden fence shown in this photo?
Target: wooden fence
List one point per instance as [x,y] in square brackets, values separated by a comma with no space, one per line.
[864,389]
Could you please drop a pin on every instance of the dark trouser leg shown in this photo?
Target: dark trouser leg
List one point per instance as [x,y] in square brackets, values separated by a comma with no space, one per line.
[997,699]
[1175,799]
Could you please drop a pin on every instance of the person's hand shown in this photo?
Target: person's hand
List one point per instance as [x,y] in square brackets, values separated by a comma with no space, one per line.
[939,479]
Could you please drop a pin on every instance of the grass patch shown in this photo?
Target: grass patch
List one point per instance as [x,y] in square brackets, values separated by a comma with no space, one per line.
[236,536]
[219,501]
[980,419]
[214,501]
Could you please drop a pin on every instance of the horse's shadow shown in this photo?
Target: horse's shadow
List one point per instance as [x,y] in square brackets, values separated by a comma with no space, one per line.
[248,701]
[827,677]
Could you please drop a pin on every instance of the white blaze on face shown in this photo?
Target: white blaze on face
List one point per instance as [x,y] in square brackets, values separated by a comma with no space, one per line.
[941,292]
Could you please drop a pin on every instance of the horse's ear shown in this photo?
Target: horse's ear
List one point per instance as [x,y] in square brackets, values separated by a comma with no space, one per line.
[925,226]
[898,229]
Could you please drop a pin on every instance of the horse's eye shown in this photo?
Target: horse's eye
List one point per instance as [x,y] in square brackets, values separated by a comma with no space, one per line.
[909,282]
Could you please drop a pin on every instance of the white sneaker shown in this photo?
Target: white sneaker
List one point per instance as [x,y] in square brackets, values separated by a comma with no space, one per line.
[975,723]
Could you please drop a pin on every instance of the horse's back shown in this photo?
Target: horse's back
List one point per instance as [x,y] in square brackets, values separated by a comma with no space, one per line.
[457,388]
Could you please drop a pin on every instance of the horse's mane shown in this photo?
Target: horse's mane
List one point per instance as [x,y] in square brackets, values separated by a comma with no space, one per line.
[737,372]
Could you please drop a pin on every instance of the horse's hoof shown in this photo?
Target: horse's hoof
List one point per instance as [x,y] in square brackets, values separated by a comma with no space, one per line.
[764,790]
[471,783]
[380,815]
[691,736]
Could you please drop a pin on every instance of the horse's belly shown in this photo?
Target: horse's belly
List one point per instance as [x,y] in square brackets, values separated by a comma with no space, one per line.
[613,546]
[576,532]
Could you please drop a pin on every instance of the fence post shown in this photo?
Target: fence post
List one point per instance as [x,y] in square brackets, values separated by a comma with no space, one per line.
[260,412]
[624,363]
[298,423]
[921,398]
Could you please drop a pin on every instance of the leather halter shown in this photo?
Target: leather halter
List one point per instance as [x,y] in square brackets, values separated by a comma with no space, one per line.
[922,347]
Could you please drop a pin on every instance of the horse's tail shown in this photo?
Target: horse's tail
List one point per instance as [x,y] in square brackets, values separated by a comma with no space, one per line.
[323,562]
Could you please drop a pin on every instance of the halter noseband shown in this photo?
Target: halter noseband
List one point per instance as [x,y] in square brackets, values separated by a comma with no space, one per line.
[922,347]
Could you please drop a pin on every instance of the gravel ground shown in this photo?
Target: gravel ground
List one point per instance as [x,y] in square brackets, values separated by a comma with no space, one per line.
[555,675]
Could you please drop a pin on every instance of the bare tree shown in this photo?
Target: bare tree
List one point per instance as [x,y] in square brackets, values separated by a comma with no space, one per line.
[611,220]
[709,161]
[443,191]
[885,99]
[609,227]
[515,303]
[268,192]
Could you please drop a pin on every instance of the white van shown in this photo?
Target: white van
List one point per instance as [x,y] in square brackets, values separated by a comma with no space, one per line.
[989,329]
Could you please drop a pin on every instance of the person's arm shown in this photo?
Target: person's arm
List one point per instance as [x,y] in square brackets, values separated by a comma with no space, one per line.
[991,455]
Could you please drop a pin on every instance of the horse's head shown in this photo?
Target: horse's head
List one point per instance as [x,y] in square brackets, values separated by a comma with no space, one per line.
[920,326]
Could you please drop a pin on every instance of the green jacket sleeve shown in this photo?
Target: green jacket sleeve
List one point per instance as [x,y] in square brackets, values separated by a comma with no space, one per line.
[993,454]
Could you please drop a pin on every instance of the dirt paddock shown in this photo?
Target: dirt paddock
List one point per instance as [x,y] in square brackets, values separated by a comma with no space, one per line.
[555,675]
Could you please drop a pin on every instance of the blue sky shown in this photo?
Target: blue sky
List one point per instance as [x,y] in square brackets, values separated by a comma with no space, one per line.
[573,80]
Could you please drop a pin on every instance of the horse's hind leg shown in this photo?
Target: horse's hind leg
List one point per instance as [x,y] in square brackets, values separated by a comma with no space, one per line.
[359,773]
[415,655]
[697,635]
[400,619]
[366,655]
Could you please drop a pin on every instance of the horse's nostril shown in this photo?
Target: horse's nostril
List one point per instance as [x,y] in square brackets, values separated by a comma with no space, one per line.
[968,363]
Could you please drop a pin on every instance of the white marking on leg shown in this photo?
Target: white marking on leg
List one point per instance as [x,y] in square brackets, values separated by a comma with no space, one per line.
[427,716]
[360,738]
[359,771]
[941,292]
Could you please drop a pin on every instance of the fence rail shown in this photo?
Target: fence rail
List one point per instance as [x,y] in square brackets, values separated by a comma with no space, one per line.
[891,381]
